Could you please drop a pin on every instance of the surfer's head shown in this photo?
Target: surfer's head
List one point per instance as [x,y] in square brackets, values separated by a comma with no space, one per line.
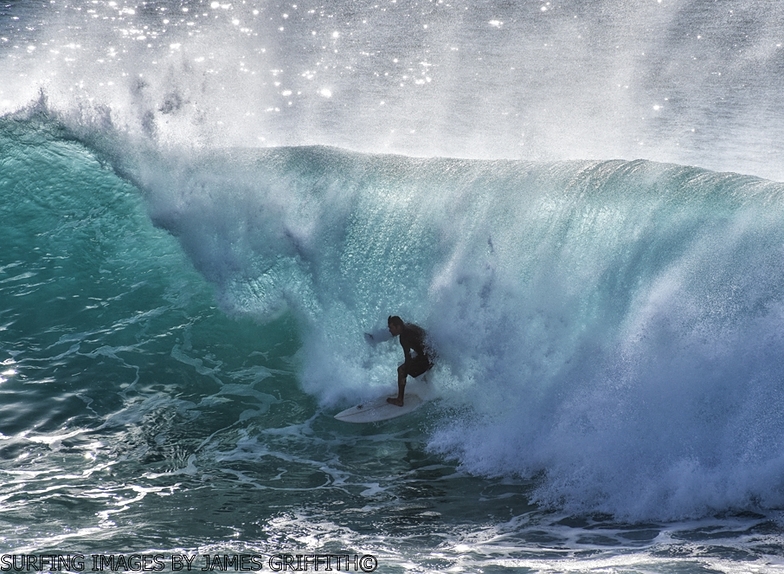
[395,325]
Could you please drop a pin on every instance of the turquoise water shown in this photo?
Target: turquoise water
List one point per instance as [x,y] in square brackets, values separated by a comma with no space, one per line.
[206,205]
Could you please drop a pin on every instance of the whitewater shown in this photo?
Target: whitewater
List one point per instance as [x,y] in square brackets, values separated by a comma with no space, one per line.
[207,205]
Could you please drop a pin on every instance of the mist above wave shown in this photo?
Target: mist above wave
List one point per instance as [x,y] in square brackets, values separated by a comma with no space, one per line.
[690,83]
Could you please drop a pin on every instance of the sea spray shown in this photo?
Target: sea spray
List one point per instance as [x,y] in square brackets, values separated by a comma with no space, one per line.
[586,80]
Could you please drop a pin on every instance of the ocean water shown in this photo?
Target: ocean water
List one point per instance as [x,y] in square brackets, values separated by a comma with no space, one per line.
[206,205]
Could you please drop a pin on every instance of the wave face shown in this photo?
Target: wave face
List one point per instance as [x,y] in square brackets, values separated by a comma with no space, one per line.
[611,327]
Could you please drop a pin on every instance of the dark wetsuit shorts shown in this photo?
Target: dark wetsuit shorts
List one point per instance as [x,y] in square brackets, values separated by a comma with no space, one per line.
[417,366]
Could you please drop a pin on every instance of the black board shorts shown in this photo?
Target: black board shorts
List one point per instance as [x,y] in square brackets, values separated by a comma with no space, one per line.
[417,366]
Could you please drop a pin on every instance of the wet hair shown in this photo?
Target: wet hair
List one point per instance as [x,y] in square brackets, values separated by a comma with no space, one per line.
[395,320]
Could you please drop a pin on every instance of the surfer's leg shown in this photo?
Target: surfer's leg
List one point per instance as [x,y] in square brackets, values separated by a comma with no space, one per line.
[401,386]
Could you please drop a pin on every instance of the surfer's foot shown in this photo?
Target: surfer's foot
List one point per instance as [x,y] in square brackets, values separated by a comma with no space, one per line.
[397,402]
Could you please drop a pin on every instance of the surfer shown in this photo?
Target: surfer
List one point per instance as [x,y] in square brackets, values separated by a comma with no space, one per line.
[417,358]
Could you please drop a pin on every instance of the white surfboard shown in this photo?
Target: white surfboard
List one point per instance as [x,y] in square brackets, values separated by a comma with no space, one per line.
[417,394]
[379,410]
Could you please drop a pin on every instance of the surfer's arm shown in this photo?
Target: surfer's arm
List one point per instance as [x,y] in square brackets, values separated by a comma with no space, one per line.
[406,349]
